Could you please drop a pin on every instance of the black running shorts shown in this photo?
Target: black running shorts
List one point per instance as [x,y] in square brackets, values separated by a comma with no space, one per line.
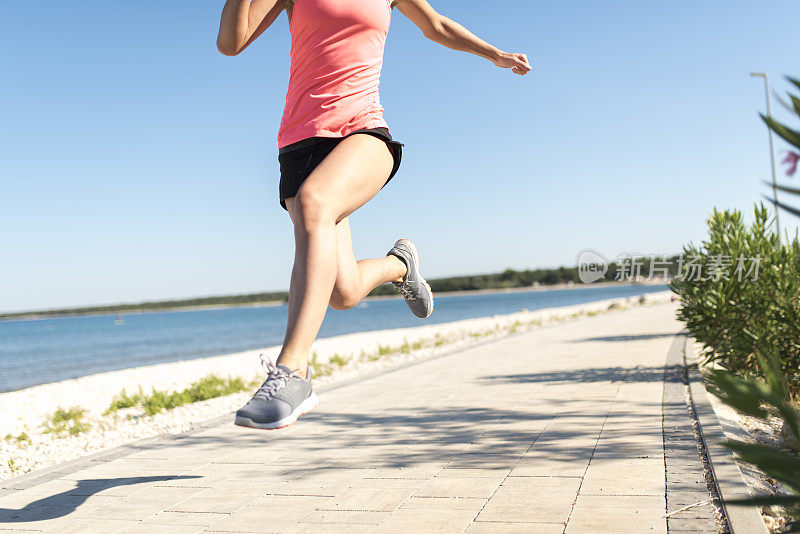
[299,159]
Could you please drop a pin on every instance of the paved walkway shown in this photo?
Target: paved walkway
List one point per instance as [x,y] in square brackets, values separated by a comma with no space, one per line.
[555,430]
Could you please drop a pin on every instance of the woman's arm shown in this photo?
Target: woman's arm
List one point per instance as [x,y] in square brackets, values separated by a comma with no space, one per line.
[444,31]
[243,21]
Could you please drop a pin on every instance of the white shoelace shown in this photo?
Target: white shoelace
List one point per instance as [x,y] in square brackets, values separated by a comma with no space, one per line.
[276,379]
[405,290]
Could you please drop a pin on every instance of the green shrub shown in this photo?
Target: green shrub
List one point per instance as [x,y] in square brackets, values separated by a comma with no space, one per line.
[66,421]
[762,398]
[726,308]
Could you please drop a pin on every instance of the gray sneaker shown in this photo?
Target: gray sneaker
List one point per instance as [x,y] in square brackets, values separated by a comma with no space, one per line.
[281,399]
[414,288]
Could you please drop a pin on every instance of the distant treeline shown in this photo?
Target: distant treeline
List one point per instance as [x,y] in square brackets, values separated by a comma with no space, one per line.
[508,279]
[511,278]
[229,300]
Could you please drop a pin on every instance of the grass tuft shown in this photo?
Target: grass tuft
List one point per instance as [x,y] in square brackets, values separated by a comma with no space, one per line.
[123,400]
[339,361]
[19,439]
[206,388]
[66,421]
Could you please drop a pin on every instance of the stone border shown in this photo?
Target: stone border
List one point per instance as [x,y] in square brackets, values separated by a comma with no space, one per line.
[691,500]
[726,473]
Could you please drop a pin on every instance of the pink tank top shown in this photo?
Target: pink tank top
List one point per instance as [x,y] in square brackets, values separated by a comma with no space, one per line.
[336,59]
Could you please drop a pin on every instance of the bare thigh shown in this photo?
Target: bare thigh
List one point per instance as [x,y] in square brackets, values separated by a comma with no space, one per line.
[345,180]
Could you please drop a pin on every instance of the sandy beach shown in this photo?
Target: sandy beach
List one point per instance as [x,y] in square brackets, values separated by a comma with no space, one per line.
[25,410]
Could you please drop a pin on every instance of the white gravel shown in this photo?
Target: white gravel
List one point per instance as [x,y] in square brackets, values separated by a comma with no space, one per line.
[25,410]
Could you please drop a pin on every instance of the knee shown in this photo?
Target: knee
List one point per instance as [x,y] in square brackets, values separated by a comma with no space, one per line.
[344,300]
[312,211]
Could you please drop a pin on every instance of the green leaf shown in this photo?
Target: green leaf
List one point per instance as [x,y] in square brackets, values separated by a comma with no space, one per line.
[790,209]
[771,371]
[744,395]
[785,189]
[776,463]
[793,81]
[790,136]
[779,500]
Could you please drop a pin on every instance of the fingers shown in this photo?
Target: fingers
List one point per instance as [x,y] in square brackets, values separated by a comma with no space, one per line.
[518,63]
[522,66]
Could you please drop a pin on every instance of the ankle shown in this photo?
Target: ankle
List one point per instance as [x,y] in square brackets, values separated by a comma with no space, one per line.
[399,269]
[298,366]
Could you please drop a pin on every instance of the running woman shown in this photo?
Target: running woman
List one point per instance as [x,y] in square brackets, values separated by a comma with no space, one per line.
[335,154]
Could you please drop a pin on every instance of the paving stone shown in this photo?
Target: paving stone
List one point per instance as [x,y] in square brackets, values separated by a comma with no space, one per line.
[307,527]
[202,519]
[542,485]
[485,472]
[94,526]
[519,506]
[432,521]
[633,502]
[533,467]
[152,527]
[323,482]
[616,520]
[212,500]
[273,513]
[362,517]
[624,480]
[424,470]
[545,500]
[460,487]
[370,498]
[411,483]
[692,525]
[448,503]
[480,527]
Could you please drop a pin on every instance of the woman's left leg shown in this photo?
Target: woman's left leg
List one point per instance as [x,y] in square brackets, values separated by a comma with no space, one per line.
[355,279]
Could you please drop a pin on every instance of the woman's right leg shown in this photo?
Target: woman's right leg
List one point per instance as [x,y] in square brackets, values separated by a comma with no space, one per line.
[345,180]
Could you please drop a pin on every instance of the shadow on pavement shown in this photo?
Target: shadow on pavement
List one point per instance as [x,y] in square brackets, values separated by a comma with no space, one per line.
[597,374]
[412,438]
[636,337]
[64,503]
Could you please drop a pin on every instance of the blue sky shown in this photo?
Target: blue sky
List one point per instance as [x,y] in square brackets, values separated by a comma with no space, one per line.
[138,163]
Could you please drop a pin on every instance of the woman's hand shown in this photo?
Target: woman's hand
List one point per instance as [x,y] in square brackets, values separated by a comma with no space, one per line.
[518,63]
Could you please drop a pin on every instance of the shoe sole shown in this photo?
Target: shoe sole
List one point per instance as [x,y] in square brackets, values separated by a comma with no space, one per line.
[415,259]
[306,406]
